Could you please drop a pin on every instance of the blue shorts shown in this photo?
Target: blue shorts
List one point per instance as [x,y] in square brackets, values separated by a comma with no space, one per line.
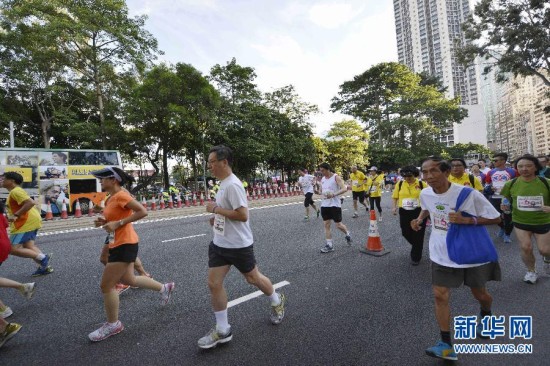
[22,238]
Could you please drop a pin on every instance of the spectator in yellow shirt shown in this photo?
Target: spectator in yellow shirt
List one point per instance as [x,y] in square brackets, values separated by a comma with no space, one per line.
[459,176]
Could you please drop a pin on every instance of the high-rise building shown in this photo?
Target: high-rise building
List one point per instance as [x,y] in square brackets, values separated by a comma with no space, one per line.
[428,34]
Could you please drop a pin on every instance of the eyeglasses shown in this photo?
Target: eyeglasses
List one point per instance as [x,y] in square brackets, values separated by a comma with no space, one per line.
[213,161]
[457,165]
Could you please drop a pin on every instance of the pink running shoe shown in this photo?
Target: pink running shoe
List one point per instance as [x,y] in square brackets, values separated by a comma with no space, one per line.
[106,331]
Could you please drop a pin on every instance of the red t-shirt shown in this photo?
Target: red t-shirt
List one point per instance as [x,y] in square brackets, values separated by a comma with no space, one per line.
[5,244]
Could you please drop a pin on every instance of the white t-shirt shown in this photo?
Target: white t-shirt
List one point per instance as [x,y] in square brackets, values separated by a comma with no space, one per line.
[439,206]
[306,183]
[230,233]
[330,185]
[486,170]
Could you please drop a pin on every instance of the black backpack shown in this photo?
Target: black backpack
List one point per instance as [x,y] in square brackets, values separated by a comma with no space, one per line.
[401,184]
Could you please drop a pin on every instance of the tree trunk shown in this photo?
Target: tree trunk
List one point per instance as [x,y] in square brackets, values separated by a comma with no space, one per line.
[165,168]
[100,107]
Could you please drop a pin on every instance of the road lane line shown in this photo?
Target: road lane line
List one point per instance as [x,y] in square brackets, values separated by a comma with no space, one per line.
[254,295]
[185,237]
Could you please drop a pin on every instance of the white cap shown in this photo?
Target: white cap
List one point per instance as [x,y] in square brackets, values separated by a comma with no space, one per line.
[373,168]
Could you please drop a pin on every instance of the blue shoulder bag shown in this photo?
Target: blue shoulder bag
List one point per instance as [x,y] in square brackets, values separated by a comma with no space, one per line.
[469,244]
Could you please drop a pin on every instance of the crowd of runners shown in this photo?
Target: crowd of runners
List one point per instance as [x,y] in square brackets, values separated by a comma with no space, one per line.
[442,195]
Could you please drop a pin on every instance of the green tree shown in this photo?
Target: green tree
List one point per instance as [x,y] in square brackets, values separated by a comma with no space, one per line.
[321,152]
[347,144]
[95,41]
[512,35]
[461,150]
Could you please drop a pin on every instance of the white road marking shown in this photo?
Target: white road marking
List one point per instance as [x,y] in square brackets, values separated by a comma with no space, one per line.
[254,295]
[185,237]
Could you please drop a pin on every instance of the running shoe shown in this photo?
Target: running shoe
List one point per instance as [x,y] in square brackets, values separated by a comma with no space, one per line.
[479,329]
[501,233]
[306,218]
[9,332]
[530,277]
[28,290]
[105,331]
[166,292]
[45,262]
[120,288]
[442,350]
[327,249]
[546,265]
[348,239]
[506,239]
[6,313]
[214,337]
[42,272]
[355,215]
[318,213]
[380,218]
[278,311]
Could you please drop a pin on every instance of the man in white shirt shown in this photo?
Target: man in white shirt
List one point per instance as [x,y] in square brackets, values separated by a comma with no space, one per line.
[483,167]
[307,183]
[439,201]
[232,246]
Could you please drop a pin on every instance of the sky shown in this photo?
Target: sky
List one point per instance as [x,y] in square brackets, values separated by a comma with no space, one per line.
[313,45]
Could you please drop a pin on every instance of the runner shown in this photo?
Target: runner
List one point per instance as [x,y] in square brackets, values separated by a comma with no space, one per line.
[475,170]
[331,207]
[495,180]
[307,183]
[438,202]
[375,190]
[120,211]
[460,177]
[358,180]
[530,198]
[232,245]
[483,166]
[545,163]
[24,221]
[406,197]
[7,331]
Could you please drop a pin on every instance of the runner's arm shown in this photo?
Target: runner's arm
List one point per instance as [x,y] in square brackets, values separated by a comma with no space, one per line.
[239,214]
[27,205]
[457,218]
[341,185]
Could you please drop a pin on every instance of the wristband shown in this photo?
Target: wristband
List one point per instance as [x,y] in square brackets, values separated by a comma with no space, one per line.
[475,220]
[214,209]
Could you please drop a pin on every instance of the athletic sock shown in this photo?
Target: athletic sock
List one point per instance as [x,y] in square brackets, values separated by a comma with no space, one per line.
[40,256]
[348,233]
[446,337]
[275,298]
[329,242]
[484,313]
[113,325]
[222,323]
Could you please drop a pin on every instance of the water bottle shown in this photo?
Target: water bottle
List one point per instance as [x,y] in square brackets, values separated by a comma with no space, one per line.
[506,203]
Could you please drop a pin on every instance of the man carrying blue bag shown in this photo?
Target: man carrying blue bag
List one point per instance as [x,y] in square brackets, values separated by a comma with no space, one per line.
[457,217]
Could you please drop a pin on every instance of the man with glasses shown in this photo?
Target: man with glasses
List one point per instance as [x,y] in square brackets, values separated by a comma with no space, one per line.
[232,246]
[459,176]
[495,180]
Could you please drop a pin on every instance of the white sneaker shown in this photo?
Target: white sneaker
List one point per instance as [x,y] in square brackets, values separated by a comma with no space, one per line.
[105,331]
[530,277]
[166,292]
[28,290]
[6,313]
[380,219]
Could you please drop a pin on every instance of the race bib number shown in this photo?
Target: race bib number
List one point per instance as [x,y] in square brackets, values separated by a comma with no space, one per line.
[355,182]
[219,225]
[409,203]
[530,203]
[441,221]
[373,188]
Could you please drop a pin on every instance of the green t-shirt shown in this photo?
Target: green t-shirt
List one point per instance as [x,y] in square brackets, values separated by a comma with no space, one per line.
[527,200]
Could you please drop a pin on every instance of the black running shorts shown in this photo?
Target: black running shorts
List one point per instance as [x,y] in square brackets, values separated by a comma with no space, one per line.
[126,253]
[360,195]
[474,277]
[535,229]
[331,213]
[242,258]
[309,199]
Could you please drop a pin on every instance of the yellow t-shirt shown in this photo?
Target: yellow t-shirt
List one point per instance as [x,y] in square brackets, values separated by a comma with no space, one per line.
[357,184]
[30,220]
[465,181]
[409,194]
[375,185]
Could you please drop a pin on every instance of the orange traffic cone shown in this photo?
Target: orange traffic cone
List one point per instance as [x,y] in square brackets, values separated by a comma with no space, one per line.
[201,197]
[178,201]
[153,204]
[186,201]
[194,199]
[170,202]
[144,202]
[49,214]
[162,205]
[374,244]
[91,209]
[102,205]
[77,210]
[64,211]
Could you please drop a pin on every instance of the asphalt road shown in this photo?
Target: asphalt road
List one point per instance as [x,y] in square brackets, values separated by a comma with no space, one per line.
[344,308]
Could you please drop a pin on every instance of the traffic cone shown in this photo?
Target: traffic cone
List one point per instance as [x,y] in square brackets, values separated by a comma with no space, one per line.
[271,195]
[194,199]
[374,244]
[91,209]
[201,199]
[162,205]
[77,210]
[286,192]
[178,201]
[186,201]
[144,202]
[102,205]
[64,211]
[153,204]
[49,214]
